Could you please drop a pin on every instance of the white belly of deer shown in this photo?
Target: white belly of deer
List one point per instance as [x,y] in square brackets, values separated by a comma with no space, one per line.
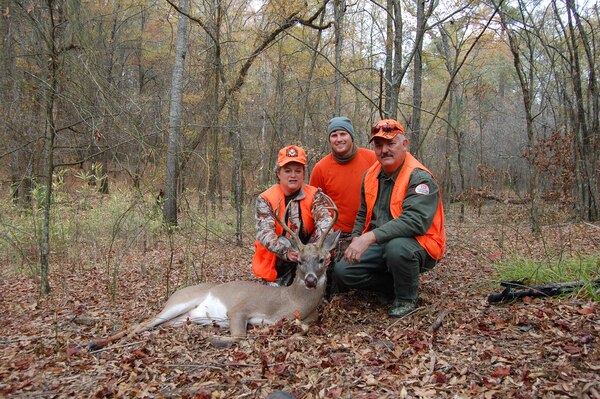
[209,311]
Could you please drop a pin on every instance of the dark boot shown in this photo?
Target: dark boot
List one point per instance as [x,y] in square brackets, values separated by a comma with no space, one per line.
[401,308]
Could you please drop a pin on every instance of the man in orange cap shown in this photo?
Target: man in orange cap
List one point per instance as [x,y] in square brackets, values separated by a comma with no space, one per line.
[399,228]
[307,215]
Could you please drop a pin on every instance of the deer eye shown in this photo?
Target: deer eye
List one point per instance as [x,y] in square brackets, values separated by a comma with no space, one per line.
[321,260]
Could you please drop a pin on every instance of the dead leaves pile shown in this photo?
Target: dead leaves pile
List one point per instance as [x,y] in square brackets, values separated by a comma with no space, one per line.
[454,346]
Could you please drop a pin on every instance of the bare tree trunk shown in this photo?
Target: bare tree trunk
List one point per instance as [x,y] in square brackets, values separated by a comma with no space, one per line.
[454,109]
[19,153]
[277,140]
[8,58]
[526,83]
[215,195]
[237,178]
[393,60]
[309,78]
[264,171]
[418,80]
[141,71]
[448,164]
[103,189]
[589,132]
[7,98]
[50,93]
[450,55]
[339,9]
[443,47]
[99,177]
[172,173]
[100,168]
[461,169]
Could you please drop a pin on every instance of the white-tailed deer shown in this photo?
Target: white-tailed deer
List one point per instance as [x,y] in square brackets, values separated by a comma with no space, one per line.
[239,303]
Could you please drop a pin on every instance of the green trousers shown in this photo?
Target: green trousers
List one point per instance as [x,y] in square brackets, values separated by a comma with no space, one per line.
[391,269]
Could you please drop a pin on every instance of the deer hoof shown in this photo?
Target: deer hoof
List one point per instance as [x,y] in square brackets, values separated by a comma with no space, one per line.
[95,345]
[223,342]
[303,329]
[280,395]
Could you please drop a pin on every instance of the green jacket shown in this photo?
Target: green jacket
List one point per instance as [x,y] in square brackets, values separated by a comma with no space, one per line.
[418,211]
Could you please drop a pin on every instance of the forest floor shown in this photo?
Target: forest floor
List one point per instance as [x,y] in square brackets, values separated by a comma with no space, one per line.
[455,345]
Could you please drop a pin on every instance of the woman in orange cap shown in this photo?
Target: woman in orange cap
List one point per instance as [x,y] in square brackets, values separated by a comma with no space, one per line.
[307,215]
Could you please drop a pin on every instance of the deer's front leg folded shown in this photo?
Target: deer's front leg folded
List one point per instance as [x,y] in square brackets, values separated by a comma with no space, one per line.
[238,324]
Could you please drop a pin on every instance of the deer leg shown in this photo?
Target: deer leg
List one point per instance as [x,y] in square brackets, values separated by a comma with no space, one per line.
[223,342]
[304,324]
[170,311]
[311,318]
[304,327]
[238,324]
[101,343]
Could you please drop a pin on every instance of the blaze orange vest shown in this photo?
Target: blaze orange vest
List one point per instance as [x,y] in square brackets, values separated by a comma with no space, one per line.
[263,263]
[434,240]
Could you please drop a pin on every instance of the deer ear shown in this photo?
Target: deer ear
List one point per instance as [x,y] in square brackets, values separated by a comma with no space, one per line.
[331,240]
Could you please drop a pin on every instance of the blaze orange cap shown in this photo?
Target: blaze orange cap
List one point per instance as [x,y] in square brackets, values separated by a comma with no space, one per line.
[387,129]
[291,153]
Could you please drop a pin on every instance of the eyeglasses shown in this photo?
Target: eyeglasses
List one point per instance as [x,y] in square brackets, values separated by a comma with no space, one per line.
[389,131]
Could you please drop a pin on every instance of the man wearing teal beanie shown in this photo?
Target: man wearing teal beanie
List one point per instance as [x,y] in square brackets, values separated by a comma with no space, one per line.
[340,123]
[339,174]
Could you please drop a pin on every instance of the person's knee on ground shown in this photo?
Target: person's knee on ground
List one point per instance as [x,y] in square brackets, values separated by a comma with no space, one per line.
[338,277]
[370,274]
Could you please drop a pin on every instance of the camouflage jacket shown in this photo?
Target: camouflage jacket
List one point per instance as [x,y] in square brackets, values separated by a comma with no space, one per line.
[265,224]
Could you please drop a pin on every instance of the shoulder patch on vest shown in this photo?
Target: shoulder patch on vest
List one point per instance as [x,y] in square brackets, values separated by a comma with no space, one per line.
[422,189]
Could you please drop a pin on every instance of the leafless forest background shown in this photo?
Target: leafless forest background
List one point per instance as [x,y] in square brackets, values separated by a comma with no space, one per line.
[499,99]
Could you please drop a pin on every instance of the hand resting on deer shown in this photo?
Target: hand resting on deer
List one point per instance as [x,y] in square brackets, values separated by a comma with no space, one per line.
[236,304]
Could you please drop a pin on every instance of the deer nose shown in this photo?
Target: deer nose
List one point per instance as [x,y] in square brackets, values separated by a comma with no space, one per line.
[310,281]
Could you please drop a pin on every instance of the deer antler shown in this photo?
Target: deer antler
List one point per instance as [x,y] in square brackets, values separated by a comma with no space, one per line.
[333,207]
[294,236]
